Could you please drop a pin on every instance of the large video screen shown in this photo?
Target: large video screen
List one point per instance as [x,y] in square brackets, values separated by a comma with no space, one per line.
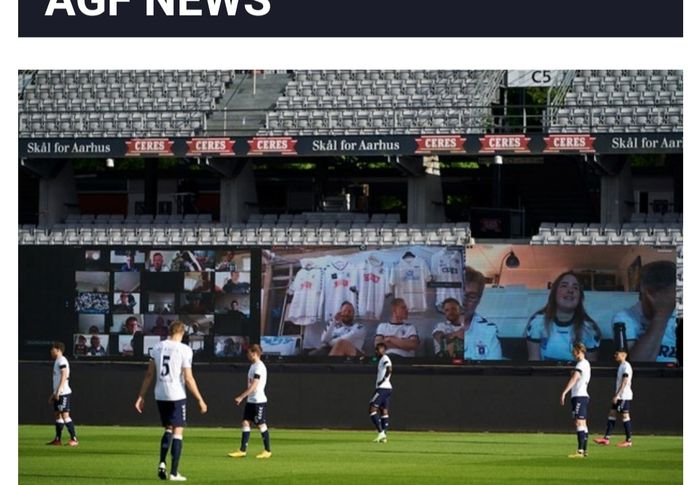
[119,302]
[544,298]
[488,304]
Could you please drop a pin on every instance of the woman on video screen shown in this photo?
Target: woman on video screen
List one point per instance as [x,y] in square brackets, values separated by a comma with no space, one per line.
[553,330]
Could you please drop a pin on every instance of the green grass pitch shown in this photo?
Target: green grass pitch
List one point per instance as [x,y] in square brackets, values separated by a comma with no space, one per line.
[126,455]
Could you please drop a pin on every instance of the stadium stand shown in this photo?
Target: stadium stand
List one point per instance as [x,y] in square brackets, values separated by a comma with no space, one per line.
[619,101]
[111,103]
[384,102]
[292,233]
[94,103]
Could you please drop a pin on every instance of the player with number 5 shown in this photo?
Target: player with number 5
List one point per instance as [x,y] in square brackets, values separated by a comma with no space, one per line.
[171,365]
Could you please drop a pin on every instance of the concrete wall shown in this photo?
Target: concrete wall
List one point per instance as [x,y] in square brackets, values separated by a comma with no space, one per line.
[336,396]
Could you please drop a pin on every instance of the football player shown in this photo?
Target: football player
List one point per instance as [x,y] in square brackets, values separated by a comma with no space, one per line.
[621,401]
[255,406]
[578,385]
[171,365]
[379,403]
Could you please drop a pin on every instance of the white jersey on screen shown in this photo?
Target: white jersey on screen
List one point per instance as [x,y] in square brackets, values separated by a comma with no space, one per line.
[401,330]
[336,331]
[373,288]
[307,303]
[636,325]
[409,277]
[446,267]
[338,279]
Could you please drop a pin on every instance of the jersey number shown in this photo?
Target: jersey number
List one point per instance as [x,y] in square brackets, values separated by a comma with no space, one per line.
[165,366]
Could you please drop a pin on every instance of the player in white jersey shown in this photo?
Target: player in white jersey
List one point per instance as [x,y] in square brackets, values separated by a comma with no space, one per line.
[621,402]
[171,365]
[400,338]
[342,337]
[578,385]
[255,406]
[60,395]
[409,278]
[650,325]
[379,403]
[446,267]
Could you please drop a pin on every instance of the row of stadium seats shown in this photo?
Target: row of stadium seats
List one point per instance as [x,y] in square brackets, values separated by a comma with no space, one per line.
[384,102]
[628,101]
[377,120]
[661,81]
[610,239]
[455,234]
[97,76]
[622,119]
[375,75]
[119,103]
[112,124]
[654,234]
[595,229]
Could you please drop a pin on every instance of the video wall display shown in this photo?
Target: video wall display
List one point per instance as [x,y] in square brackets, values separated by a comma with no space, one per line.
[125,300]
[340,301]
[488,304]
[492,303]
[544,298]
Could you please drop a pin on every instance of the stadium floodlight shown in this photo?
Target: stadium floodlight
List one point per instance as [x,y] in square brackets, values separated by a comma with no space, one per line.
[110,163]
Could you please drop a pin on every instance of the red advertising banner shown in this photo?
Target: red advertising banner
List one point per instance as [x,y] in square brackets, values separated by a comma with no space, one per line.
[581,143]
[441,144]
[284,145]
[211,146]
[504,143]
[149,146]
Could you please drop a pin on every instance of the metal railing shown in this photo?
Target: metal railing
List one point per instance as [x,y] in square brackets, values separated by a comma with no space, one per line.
[395,120]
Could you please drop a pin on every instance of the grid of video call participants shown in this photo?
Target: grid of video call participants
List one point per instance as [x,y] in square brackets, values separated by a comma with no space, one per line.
[125,300]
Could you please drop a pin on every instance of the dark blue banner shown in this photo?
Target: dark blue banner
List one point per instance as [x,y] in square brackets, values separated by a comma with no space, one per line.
[360,18]
[370,145]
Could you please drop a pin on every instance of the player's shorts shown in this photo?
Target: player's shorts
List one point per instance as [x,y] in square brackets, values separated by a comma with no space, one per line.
[256,413]
[622,405]
[380,398]
[579,407]
[63,404]
[173,413]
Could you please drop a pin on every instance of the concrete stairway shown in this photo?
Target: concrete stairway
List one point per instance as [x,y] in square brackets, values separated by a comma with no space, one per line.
[240,112]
